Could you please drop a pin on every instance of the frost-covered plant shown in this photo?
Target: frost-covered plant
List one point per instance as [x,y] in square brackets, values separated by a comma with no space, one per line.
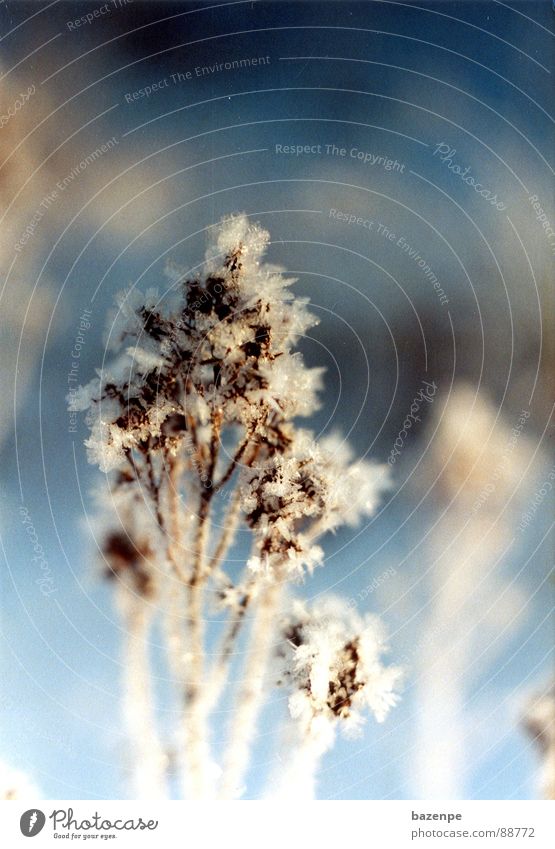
[332,664]
[539,722]
[194,424]
[330,661]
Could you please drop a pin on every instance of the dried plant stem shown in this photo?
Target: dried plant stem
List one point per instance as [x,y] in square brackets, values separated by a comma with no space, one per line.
[220,670]
[195,726]
[216,362]
[174,532]
[295,779]
[233,464]
[182,667]
[250,696]
[176,648]
[185,635]
[195,731]
[231,522]
[175,630]
[149,759]
[206,698]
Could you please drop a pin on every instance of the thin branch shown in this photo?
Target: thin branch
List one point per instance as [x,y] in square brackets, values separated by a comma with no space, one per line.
[149,759]
[219,672]
[233,464]
[195,722]
[231,522]
[250,697]
[174,533]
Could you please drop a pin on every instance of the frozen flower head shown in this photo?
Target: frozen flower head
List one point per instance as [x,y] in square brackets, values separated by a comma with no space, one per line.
[217,357]
[539,722]
[292,497]
[332,664]
[222,346]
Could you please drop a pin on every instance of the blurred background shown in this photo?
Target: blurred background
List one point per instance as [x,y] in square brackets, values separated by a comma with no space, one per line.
[349,131]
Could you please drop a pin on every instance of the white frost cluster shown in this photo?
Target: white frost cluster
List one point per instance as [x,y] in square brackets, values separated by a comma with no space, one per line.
[331,660]
[311,487]
[220,346]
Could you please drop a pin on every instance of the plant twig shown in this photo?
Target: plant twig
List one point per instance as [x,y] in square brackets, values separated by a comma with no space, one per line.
[149,760]
[250,697]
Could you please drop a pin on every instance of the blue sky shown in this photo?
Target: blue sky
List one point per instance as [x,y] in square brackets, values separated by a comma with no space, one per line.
[385,79]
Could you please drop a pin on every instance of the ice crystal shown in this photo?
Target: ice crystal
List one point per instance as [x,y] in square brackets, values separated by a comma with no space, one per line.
[305,490]
[223,348]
